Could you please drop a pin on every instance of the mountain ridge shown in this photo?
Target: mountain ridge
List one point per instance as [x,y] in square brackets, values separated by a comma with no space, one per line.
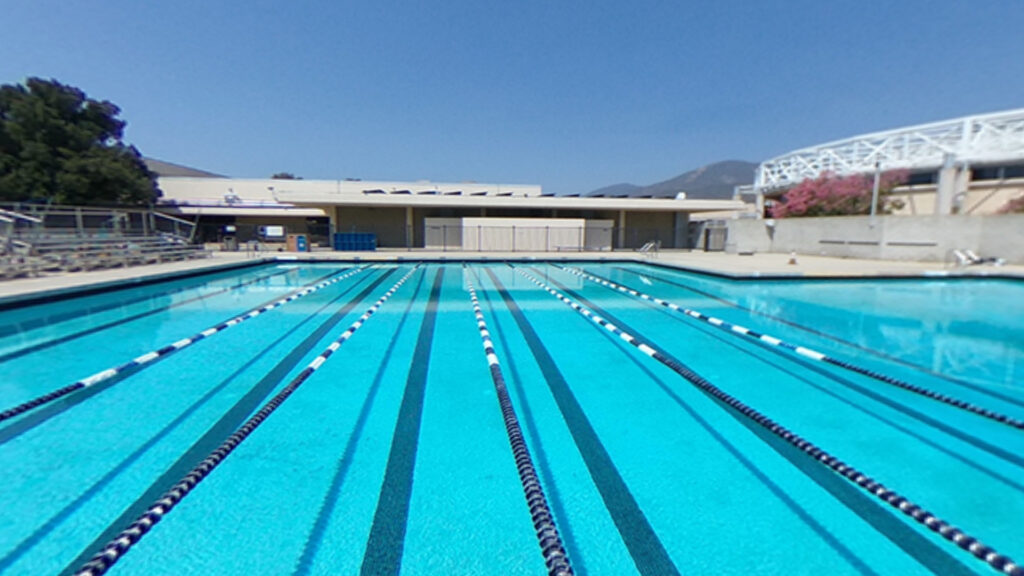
[710,182]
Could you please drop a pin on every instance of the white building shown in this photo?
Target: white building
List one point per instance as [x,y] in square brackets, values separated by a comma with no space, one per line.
[401,214]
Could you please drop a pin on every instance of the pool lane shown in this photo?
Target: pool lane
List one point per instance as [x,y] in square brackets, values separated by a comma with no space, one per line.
[165,409]
[106,557]
[685,473]
[644,474]
[25,319]
[801,350]
[110,376]
[556,558]
[465,508]
[27,377]
[44,343]
[911,472]
[875,324]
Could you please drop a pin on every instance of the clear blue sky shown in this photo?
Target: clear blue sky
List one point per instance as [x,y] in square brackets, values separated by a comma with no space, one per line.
[569,95]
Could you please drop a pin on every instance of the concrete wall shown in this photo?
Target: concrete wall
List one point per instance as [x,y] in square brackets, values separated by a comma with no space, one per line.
[927,238]
[642,227]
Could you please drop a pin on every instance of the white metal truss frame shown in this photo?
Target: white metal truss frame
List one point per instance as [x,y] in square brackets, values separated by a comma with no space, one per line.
[983,139]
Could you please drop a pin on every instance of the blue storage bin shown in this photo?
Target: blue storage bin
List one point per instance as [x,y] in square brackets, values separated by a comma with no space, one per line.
[355,241]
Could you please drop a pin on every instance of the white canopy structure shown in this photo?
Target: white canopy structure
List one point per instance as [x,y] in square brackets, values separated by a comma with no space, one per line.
[984,139]
[949,148]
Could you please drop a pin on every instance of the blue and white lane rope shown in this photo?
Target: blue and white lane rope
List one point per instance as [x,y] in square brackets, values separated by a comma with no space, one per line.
[148,357]
[807,352]
[555,557]
[966,542]
[120,544]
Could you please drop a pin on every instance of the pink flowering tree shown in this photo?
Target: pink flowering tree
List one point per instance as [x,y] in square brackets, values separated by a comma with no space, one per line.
[831,195]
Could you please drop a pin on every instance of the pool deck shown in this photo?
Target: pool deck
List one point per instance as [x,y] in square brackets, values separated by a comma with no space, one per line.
[733,265]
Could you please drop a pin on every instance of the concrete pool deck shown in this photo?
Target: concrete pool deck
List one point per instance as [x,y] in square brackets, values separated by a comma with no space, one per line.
[740,266]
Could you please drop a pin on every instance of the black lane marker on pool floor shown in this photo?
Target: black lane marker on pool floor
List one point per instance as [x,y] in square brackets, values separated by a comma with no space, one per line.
[316,533]
[120,321]
[774,344]
[646,549]
[115,549]
[872,351]
[795,507]
[103,380]
[904,537]
[387,534]
[898,502]
[750,348]
[223,428]
[935,423]
[40,533]
[552,548]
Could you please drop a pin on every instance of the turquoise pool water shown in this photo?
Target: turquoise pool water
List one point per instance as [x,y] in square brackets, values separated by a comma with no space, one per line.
[393,457]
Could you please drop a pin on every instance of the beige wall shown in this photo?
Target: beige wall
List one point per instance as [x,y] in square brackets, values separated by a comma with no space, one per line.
[387,223]
[983,198]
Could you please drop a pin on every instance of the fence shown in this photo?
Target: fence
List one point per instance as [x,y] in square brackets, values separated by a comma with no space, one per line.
[458,238]
[90,221]
[455,238]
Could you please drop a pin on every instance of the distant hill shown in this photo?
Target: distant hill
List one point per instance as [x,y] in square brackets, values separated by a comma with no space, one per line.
[713,182]
[615,190]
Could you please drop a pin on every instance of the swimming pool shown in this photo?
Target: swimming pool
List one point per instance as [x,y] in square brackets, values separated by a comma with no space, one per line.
[640,393]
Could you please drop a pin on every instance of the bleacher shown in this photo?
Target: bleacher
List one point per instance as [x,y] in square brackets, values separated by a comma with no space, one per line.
[39,239]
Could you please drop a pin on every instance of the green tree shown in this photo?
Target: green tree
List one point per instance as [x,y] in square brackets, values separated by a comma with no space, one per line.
[59,146]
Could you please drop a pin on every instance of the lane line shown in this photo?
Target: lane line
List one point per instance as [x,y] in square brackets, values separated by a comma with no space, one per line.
[644,546]
[121,321]
[804,351]
[104,559]
[231,418]
[922,516]
[147,359]
[555,557]
[888,357]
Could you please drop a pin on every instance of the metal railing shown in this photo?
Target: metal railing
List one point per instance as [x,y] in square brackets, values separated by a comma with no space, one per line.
[92,221]
[38,238]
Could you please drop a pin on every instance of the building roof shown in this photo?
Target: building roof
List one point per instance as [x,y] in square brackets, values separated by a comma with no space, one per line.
[167,169]
[206,195]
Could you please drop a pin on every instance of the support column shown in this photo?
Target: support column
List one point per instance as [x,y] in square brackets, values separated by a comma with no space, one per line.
[960,186]
[946,189]
[333,218]
[681,228]
[622,229]
[408,227]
